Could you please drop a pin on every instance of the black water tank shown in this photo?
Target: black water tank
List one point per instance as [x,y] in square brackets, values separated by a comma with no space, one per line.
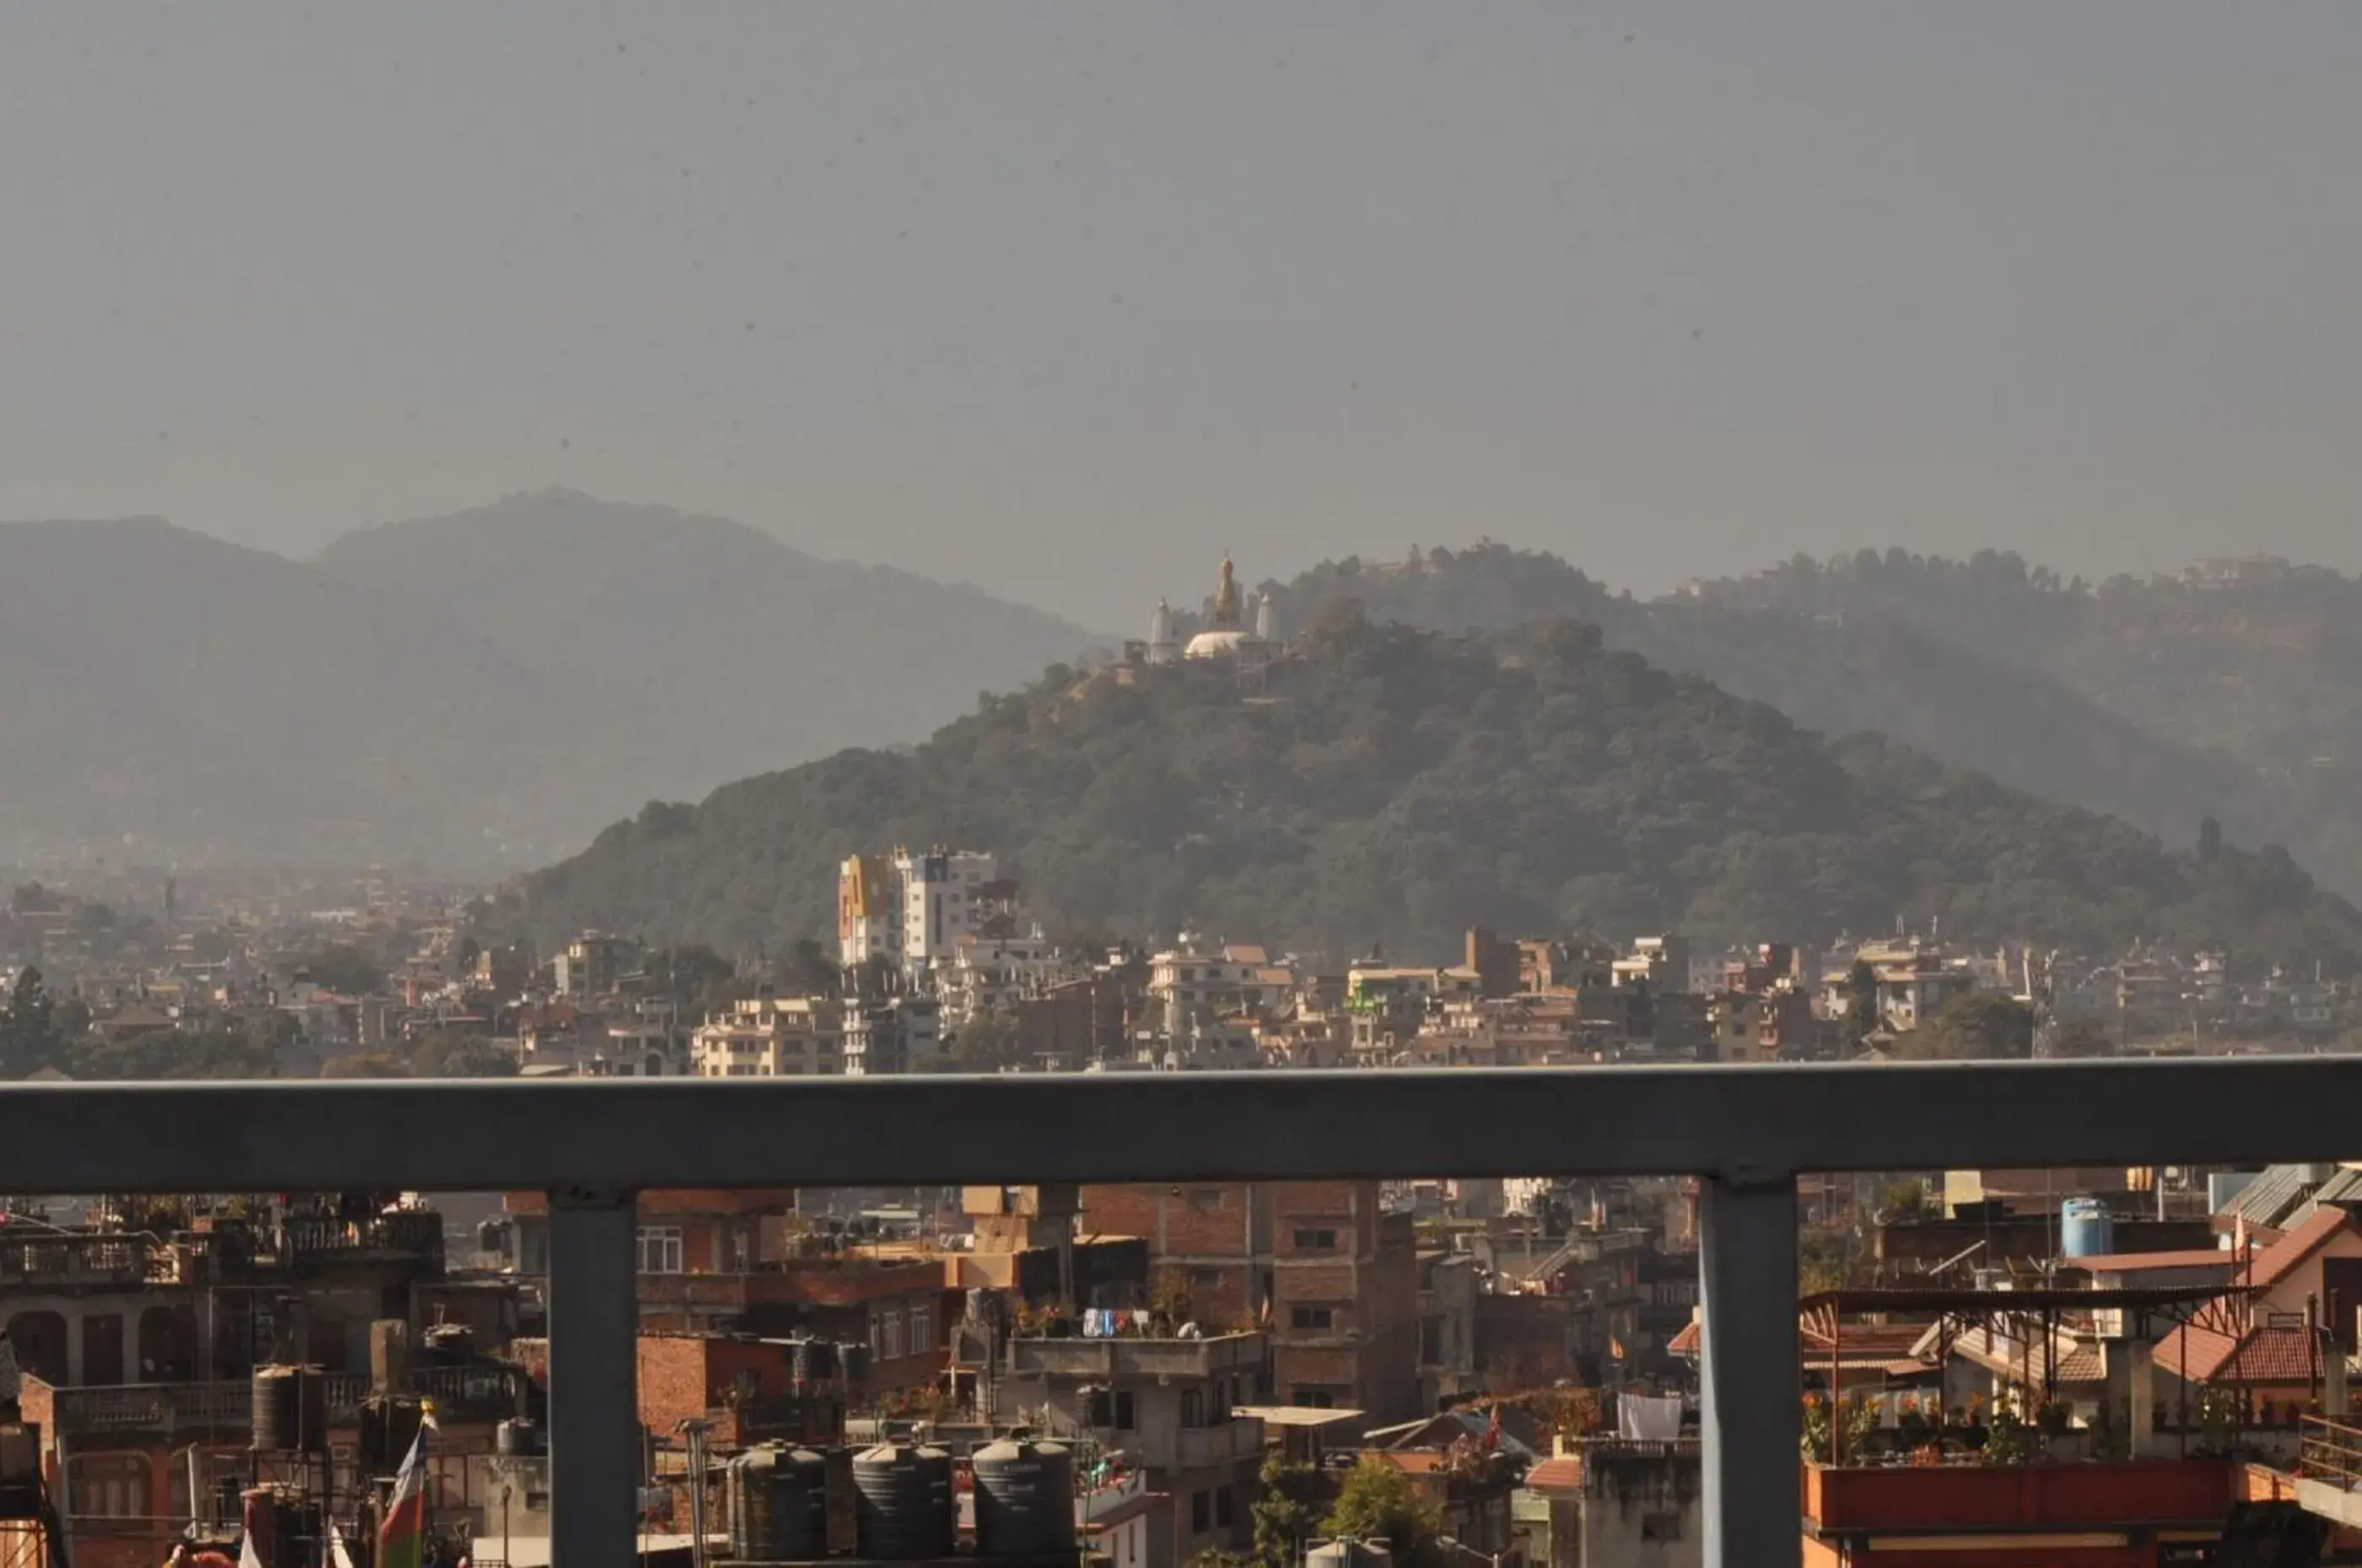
[902,1502]
[1024,1499]
[777,1500]
[290,1409]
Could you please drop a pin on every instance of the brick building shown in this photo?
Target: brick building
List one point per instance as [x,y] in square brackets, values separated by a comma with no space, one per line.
[138,1344]
[751,1389]
[732,1262]
[1332,1277]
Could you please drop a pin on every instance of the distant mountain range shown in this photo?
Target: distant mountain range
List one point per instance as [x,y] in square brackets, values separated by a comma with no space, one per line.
[475,691]
[2163,702]
[483,691]
[1387,785]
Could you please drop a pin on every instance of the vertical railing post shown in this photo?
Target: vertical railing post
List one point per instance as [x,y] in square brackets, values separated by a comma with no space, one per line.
[594,1426]
[1749,1420]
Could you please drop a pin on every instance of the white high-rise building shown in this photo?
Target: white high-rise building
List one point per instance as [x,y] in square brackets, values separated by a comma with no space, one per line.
[910,910]
[941,893]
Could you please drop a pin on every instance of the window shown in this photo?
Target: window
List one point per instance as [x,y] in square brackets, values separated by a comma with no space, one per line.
[1315,1241]
[923,1328]
[1312,1398]
[1103,1410]
[111,1487]
[1193,1407]
[1661,1527]
[659,1247]
[1311,1318]
[1224,1508]
[1202,1512]
[885,1336]
[1206,1199]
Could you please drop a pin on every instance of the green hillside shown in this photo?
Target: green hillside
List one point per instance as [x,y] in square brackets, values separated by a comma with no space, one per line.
[1387,784]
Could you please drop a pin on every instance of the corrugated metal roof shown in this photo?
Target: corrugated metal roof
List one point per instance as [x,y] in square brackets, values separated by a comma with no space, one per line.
[2342,1189]
[2268,1200]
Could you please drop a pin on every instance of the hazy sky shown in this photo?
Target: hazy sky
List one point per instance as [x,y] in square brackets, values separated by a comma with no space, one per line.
[1062,299]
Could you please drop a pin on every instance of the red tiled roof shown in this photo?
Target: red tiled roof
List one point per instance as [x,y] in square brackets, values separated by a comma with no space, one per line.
[2269,1353]
[2275,1261]
[2084,1363]
[1687,1342]
[1885,1339]
[1555,1475]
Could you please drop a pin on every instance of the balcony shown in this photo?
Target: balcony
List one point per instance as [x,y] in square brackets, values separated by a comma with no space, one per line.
[1223,1443]
[1748,1132]
[461,1393]
[412,1236]
[1128,1360]
[79,1261]
[153,1408]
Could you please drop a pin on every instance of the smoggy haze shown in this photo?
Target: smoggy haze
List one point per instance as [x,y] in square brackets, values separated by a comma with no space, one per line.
[974,290]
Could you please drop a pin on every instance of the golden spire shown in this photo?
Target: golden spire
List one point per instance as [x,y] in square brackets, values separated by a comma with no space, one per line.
[1226,598]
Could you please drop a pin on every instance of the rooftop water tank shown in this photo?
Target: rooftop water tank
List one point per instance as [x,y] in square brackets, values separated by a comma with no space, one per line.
[1024,1499]
[290,1409]
[778,1501]
[2086,1228]
[1347,1553]
[902,1502]
[519,1437]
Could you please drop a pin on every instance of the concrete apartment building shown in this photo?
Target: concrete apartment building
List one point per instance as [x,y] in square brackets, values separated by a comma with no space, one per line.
[772,1037]
[1332,1277]
[911,909]
[1169,1406]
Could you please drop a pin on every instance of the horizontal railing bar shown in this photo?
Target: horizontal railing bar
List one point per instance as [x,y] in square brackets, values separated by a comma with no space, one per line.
[491,1135]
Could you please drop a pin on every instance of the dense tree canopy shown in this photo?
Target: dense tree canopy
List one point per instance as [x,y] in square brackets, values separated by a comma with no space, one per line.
[1384,785]
[1975,1026]
[344,968]
[1379,1503]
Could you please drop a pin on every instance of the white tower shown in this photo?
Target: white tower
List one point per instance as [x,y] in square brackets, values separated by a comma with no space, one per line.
[1266,620]
[1161,649]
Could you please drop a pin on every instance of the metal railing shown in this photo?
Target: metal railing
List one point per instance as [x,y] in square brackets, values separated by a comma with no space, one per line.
[2331,1450]
[154,1407]
[1748,1131]
[456,1390]
[108,1258]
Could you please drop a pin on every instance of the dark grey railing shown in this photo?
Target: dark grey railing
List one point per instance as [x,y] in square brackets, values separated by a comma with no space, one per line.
[1748,1131]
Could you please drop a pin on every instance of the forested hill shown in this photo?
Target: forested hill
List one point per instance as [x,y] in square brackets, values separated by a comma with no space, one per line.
[1849,651]
[1392,786]
[2257,655]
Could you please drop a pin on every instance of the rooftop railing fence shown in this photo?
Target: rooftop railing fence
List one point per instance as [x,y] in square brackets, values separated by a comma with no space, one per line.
[1747,1132]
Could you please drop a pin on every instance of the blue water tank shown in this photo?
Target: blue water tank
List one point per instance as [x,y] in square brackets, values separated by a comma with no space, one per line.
[2086,1228]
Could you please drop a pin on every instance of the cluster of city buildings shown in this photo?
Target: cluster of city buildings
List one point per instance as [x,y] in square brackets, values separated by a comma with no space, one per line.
[2097,1367]
[937,965]
[1179,1337]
